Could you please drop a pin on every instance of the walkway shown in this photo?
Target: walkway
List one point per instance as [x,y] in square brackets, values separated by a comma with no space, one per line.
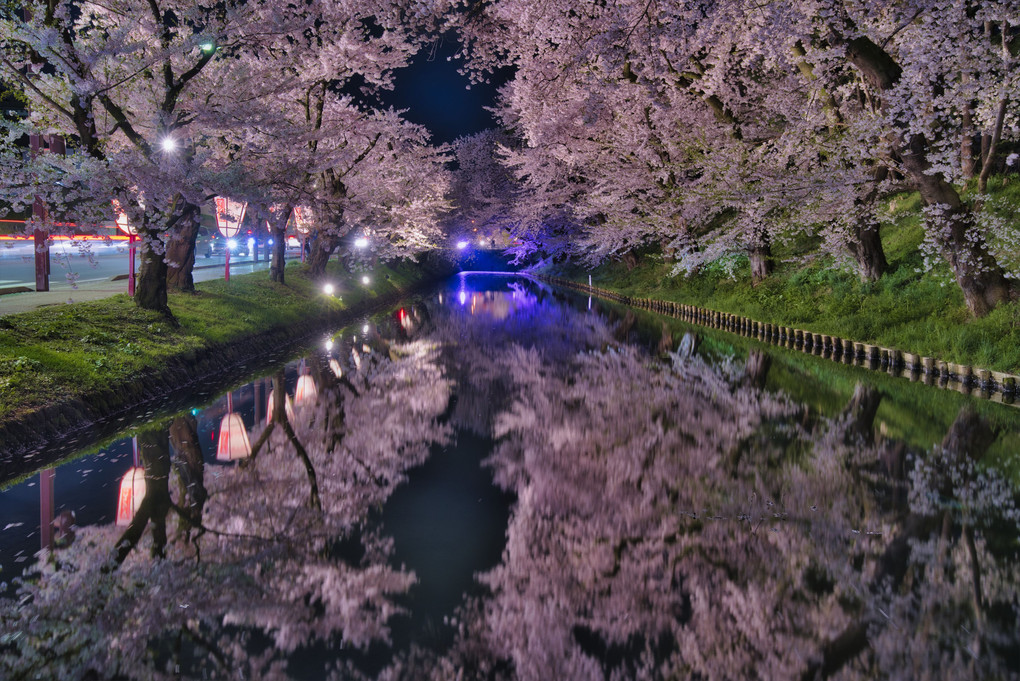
[12,303]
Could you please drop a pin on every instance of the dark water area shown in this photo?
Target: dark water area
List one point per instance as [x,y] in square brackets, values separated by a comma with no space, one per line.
[500,480]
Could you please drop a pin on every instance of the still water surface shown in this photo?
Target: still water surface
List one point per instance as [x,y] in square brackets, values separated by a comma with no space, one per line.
[500,481]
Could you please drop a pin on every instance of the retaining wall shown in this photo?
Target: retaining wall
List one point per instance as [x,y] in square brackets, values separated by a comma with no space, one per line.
[992,385]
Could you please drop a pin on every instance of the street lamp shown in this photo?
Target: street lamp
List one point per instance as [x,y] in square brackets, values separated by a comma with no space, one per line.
[365,280]
[328,289]
[360,242]
[169,144]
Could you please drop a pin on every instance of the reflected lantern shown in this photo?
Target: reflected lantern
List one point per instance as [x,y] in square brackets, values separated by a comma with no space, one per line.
[287,405]
[132,491]
[233,443]
[306,392]
[335,366]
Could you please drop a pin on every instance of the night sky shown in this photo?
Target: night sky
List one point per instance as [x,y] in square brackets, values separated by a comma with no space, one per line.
[437,97]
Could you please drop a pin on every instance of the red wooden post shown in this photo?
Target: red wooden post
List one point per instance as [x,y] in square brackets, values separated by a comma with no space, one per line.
[131,265]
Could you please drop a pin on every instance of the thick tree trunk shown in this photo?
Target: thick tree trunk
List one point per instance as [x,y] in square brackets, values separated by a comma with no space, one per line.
[860,413]
[980,277]
[181,254]
[276,268]
[866,249]
[866,243]
[150,288]
[190,467]
[322,248]
[762,265]
[968,162]
[180,257]
[756,369]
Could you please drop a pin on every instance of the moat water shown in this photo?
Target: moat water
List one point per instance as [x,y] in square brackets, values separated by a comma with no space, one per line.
[501,480]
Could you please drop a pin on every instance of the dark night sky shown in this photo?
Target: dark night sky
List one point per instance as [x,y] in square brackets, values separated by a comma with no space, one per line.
[436,96]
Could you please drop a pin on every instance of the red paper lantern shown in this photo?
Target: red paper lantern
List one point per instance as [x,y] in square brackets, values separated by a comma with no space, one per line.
[229,216]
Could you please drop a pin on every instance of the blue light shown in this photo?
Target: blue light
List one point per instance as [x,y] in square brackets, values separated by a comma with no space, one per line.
[463,298]
[462,245]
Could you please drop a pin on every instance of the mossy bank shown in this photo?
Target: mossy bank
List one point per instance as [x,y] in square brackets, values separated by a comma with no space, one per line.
[910,308]
[64,370]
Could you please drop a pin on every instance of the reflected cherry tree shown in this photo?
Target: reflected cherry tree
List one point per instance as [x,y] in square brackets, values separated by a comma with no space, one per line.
[675,521]
[221,560]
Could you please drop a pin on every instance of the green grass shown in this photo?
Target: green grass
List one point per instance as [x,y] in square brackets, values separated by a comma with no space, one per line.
[70,351]
[914,311]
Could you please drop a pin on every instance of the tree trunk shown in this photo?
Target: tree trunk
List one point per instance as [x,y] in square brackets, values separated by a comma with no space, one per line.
[980,277]
[278,226]
[180,253]
[760,256]
[860,413]
[756,369]
[866,243]
[190,467]
[150,289]
[968,163]
[866,249]
[322,248]
[278,264]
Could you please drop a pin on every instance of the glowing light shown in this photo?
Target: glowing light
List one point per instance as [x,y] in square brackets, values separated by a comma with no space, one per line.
[208,46]
[462,245]
[169,144]
[232,244]
[328,289]
[329,344]
[270,242]
[481,242]
[463,297]
[335,366]
[366,281]
[361,242]
[288,407]
[364,329]
[132,491]
[233,443]
[305,392]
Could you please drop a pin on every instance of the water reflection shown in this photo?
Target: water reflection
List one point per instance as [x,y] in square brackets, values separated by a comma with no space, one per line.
[673,517]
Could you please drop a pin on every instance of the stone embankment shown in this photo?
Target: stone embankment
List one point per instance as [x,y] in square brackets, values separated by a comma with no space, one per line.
[993,385]
[45,435]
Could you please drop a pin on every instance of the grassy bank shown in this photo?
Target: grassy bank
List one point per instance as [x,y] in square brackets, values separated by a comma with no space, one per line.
[908,308]
[71,351]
